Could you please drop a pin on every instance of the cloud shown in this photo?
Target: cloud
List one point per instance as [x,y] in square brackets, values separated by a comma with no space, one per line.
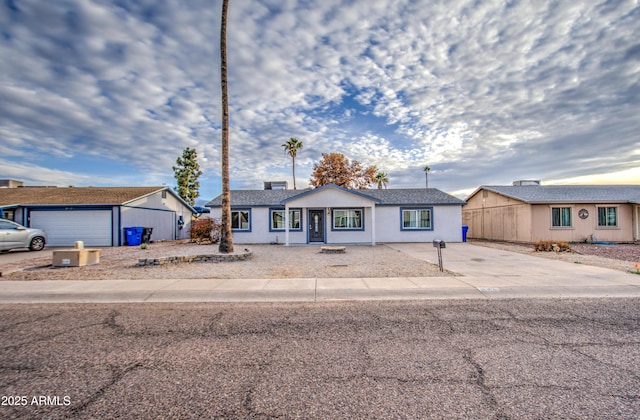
[484,92]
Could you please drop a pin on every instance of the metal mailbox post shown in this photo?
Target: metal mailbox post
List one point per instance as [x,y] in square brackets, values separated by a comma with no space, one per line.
[437,243]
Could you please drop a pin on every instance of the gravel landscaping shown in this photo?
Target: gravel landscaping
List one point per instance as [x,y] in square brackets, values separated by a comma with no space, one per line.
[267,261]
[274,261]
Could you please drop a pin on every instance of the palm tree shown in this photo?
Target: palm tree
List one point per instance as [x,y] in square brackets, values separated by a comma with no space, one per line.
[292,147]
[426,170]
[382,179]
[226,241]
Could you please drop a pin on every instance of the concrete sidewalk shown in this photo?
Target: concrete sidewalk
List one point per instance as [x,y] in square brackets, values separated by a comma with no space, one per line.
[483,273]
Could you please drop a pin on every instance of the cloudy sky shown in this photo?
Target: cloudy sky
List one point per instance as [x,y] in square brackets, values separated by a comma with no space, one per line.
[109,92]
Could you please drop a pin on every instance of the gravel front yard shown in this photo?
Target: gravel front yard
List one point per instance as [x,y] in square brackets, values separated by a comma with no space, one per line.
[268,261]
[272,261]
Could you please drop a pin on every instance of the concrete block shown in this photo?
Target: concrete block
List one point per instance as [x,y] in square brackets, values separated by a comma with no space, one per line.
[75,257]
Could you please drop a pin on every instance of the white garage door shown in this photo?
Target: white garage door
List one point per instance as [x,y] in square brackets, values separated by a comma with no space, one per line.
[64,228]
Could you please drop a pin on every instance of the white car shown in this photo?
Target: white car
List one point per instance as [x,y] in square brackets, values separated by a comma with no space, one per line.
[14,236]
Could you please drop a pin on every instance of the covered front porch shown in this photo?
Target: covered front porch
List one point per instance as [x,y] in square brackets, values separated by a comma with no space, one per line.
[350,218]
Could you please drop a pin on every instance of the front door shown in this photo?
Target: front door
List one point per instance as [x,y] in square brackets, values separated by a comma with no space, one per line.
[316,225]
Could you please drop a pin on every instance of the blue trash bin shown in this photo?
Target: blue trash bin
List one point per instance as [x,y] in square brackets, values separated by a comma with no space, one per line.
[133,235]
[465,229]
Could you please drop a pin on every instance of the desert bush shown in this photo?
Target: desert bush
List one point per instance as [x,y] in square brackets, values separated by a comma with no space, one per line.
[205,230]
[548,246]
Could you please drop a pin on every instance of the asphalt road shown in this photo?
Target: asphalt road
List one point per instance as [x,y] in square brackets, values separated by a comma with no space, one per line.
[507,359]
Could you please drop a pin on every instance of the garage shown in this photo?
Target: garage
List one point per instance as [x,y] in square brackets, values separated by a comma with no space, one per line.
[97,215]
[64,228]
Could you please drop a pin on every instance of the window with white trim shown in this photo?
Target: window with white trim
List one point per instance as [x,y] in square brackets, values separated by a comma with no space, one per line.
[241,220]
[348,219]
[417,219]
[278,219]
[561,217]
[607,216]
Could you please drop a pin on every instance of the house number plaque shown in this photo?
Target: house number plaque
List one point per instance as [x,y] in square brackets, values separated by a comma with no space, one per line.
[583,213]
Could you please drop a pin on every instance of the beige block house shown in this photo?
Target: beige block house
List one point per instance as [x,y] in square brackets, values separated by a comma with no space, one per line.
[529,212]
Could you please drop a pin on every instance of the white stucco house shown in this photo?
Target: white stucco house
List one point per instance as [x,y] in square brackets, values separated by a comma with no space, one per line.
[334,215]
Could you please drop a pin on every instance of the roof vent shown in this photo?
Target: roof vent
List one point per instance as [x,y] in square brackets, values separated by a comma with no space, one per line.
[526,182]
[275,185]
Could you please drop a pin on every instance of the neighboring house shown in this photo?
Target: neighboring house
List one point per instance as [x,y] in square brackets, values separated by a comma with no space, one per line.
[334,215]
[97,216]
[571,213]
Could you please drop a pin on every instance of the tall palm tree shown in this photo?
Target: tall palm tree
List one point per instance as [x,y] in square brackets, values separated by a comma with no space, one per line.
[426,170]
[292,147]
[226,240]
[382,179]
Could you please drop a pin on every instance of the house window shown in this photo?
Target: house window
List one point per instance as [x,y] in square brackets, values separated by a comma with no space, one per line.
[607,216]
[561,217]
[348,219]
[277,219]
[7,214]
[417,219]
[241,220]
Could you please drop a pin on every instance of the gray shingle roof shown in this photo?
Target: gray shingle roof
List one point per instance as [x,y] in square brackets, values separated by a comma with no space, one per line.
[570,193]
[55,196]
[255,198]
[414,196]
[390,197]
[73,195]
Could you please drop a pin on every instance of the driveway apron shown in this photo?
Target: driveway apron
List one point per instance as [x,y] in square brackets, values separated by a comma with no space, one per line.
[494,270]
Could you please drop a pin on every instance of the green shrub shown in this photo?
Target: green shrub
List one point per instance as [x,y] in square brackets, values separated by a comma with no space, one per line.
[205,230]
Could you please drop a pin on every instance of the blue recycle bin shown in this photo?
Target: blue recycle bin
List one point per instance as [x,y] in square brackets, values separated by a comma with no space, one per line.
[465,229]
[133,235]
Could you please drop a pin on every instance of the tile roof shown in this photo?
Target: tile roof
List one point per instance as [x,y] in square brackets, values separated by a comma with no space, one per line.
[569,193]
[389,197]
[73,195]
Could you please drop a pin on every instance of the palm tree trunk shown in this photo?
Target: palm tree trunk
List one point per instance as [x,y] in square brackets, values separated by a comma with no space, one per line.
[294,172]
[226,241]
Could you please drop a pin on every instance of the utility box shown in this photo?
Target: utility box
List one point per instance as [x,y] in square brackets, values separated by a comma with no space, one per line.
[75,257]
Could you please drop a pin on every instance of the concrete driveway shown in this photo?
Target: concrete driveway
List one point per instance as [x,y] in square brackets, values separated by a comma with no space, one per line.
[17,255]
[494,270]
[483,273]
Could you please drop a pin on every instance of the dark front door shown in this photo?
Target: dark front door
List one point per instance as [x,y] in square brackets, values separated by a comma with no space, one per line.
[316,225]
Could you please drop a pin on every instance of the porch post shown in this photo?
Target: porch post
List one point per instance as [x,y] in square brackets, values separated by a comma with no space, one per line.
[286,225]
[373,225]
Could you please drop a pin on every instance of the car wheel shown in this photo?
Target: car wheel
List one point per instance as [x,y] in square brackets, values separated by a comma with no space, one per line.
[37,244]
